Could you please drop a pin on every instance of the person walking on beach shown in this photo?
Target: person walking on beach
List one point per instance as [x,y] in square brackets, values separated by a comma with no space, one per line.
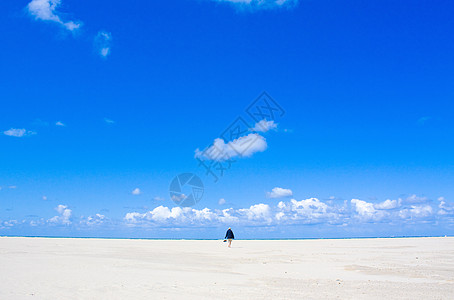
[229,236]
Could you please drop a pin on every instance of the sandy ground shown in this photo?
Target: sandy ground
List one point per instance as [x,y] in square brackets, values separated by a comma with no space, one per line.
[40,268]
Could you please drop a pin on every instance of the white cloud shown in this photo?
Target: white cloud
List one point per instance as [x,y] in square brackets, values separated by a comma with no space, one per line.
[12,187]
[7,224]
[60,124]
[178,198]
[278,192]
[413,199]
[176,215]
[157,198]
[264,126]
[63,217]
[260,212]
[387,204]
[292,212]
[307,211]
[46,10]
[366,211]
[97,219]
[244,146]
[444,207]
[109,121]
[44,198]
[102,43]
[421,211]
[261,4]
[16,132]
[136,191]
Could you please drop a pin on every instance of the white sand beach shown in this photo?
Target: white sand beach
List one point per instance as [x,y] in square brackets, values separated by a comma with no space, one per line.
[43,268]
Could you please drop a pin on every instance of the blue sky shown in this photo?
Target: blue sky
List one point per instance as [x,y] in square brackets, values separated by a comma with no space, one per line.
[103,104]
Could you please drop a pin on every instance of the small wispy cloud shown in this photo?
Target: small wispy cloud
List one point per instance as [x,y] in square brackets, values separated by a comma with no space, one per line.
[221,201]
[46,10]
[18,132]
[424,120]
[109,121]
[261,4]
[136,191]
[414,199]
[60,124]
[102,43]
[264,126]
[40,123]
[157,198]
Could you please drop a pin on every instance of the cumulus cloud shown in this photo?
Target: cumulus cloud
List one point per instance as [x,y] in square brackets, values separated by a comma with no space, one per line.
[305,211]
[257,212]
[176,215]
[292,212]
[136,191]
[264,126]
[221,201]
[414,211]
[46,10]
[16,132]
[366,211]
[95,220]
[260,4]
[244,146]
[278,192]
[64,216]
[8,224]
[102,43]
[387,211]
[444,207]
[387,204]
[60,124]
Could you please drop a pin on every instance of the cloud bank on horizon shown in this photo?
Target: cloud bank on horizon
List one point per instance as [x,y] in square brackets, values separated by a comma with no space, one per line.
[285,213]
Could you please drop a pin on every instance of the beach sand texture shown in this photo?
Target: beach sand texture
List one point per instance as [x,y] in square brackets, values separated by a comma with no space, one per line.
[58,269]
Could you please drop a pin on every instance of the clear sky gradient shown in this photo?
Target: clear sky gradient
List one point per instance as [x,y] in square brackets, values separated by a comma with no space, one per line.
[103,103]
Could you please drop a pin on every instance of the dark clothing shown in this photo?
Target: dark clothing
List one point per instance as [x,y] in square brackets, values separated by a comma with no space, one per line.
[229,234]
